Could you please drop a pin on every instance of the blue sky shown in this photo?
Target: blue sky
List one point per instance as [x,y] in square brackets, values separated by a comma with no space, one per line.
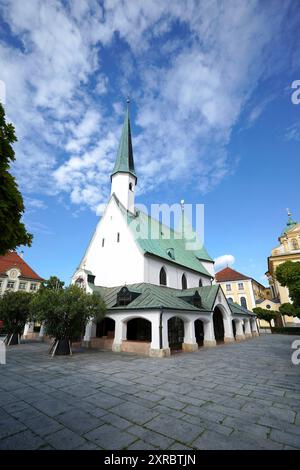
[212,117]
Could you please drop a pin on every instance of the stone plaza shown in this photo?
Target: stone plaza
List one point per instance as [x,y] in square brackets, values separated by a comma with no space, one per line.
[235,396]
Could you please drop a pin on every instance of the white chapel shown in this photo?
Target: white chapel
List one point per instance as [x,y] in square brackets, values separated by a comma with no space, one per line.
[160,296]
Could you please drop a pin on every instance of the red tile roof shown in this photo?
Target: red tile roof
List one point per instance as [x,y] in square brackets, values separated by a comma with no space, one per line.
[12,259]
[228,274]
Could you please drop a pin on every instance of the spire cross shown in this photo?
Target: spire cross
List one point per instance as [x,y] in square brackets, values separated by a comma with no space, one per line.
[289,212]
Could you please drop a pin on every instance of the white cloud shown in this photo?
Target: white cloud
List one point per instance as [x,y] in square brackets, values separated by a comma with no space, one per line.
[189,92]
[223,261]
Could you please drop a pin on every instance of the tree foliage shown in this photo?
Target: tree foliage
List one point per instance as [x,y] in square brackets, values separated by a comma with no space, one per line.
[289,310]
[53,283]
[288,275]
[264,314]
[65,312]
[15,311]
[13,232]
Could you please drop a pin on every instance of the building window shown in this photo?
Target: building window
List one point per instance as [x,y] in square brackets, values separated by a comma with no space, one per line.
[0,284]
[228,287]
[163,277]
[22,286]
[200,282]
[268,306]
[241,285]
[118,237]
[10,285]
[243,302]
[103,240]
[230,299]
[295,244]
[130,187]
[33,286]
[183,282]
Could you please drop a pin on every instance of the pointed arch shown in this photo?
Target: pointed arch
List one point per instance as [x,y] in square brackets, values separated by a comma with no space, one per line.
[183,282]
[163,277]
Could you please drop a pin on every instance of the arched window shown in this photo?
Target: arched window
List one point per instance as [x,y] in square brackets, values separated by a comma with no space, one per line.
[295,244]
[163,277]
[230,299]
[200,282]
[243,302]
[130,187]
[183,282]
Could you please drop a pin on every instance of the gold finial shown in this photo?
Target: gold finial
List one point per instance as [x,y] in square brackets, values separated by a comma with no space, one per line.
[288,212]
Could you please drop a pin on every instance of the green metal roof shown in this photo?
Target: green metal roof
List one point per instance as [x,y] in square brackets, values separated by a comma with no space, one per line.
[289,226]
[124,162]
[153,296]
[239,310]
[157,239]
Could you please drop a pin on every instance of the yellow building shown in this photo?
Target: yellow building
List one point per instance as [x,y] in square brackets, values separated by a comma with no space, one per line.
[246,291]
[242,289]
[288,250]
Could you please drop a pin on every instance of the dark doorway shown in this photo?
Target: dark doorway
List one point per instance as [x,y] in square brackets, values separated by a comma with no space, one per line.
[175,333]
[139,329]
[105,327]
[218,325]
[199,332]
[233,328]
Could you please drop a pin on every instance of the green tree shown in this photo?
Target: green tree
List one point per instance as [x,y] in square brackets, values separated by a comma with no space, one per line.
[290,310]
[14,312]
[53,283]
[288,275]
[264,314]
[13,232]
[65,313]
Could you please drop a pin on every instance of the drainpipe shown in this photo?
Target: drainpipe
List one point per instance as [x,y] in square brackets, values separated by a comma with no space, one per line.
[160,328]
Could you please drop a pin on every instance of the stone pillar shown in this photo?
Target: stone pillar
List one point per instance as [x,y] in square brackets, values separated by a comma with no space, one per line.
[239,330]
[189,342]
[88,334]
[155,350]
[42,330]
[248,333]
[228,330]
[28,329]
[120,334]
[209,334]
[254,327]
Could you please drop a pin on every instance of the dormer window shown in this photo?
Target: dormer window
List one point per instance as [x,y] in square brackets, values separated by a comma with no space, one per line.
[125,296]
[196,300]
[171,253]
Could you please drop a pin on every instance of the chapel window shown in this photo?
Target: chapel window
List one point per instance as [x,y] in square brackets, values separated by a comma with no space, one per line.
[163,277]
[183,282]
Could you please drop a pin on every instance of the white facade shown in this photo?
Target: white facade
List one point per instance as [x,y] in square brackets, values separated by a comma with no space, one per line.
[123,186]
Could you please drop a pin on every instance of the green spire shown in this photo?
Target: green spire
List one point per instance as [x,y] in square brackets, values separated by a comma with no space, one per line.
[290,223]
[124,162]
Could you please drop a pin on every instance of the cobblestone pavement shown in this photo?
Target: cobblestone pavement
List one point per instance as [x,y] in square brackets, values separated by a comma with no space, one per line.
[236,396]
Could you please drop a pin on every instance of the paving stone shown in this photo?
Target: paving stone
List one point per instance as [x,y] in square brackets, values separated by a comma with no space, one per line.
[142,445]
[285,438]
[79,421]
[9,426]
[186,398]
[158,440]
[177,429]
[110,438]
[116,421]
[133,412]
[65,439]
[24,440]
